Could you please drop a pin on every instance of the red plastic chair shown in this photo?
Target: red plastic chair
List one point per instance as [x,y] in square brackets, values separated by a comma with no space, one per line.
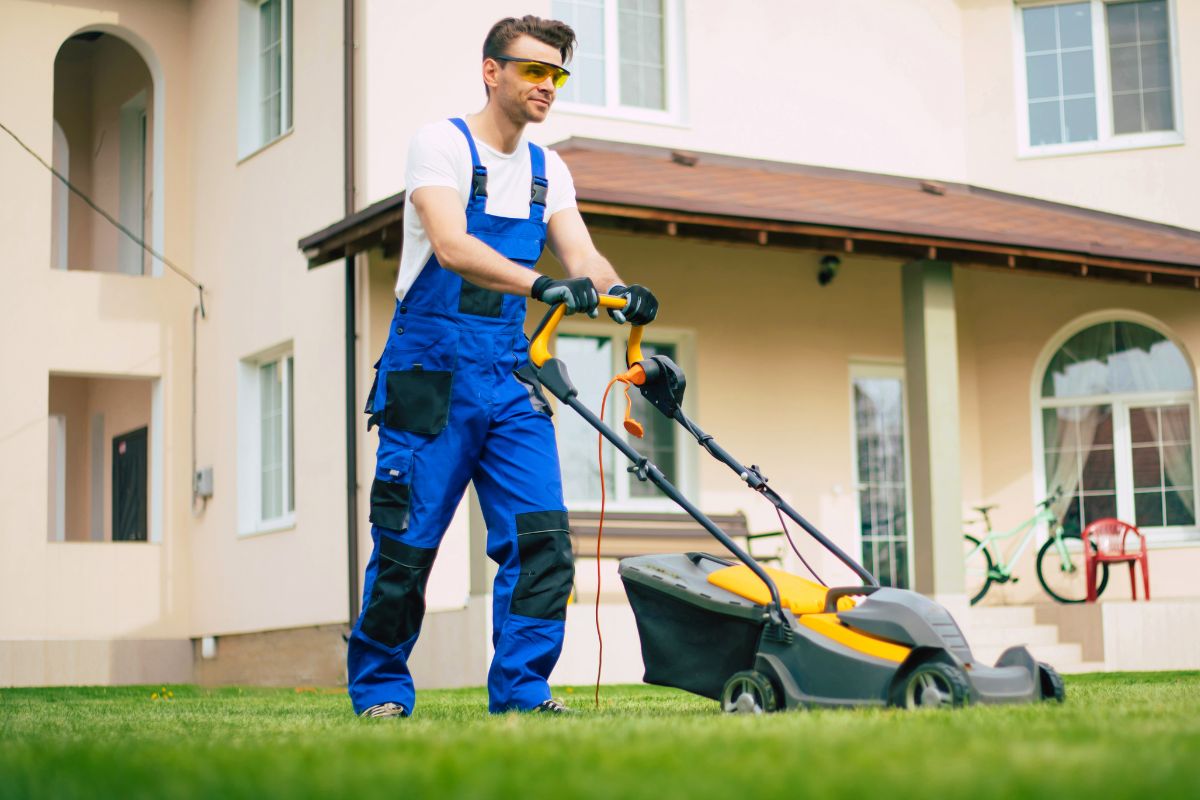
[1107,541]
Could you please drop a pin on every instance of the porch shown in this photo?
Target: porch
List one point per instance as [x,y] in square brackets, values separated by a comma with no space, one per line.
[878,345]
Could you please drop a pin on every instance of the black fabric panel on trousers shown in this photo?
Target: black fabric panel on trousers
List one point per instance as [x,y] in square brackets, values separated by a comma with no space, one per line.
[547,566]
[478,301]
[542,521]
[418,400]
[389,504]
[537,399]
[369,408]
[397,602]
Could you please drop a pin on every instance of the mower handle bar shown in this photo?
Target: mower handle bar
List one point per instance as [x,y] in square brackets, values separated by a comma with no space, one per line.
[539,346]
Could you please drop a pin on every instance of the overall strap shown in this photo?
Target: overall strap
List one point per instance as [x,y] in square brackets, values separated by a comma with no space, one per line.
[478,170]
[539,186]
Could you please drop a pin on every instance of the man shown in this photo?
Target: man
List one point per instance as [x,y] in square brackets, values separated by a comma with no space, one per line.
[454,396]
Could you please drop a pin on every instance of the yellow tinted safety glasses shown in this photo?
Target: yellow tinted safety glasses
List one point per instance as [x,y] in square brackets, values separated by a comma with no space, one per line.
[537,71]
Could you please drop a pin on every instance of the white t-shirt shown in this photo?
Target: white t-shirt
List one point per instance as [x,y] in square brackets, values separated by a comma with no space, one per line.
[439,156]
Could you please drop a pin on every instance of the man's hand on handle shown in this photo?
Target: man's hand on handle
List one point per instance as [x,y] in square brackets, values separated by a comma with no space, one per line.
[641,305]
[577,294]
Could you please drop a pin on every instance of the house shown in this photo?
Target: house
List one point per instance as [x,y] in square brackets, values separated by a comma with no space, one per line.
[915,256]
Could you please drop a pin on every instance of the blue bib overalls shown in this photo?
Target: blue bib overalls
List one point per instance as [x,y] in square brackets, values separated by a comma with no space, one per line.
[455,401]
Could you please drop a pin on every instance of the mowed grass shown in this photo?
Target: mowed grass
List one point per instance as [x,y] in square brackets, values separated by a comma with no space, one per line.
[1118,735]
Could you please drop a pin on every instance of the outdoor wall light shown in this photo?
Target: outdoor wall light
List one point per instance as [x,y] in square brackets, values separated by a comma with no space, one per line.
[829,270]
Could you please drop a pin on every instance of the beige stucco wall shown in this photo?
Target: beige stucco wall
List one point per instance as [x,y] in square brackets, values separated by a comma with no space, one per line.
[88,323]
[919,87]
[864,84]
[247,218]
[1149,183]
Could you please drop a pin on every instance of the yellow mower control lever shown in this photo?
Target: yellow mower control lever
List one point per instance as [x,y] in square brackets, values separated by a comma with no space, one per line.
[539,348]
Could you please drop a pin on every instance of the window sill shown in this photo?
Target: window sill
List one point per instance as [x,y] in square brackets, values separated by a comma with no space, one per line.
[647,506]
[109,542]
[645,116]
[243,159]
[273,526]
[1140,141]
[1171,538]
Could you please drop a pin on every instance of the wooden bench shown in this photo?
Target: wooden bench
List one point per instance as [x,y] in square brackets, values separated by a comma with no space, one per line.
[634,533]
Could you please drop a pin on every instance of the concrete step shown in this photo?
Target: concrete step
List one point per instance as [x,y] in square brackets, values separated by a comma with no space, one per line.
[1004,637]
[1062,657]
[979,617]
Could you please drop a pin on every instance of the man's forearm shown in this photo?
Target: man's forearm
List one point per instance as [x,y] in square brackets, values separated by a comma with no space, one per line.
[599,270]
[486,268]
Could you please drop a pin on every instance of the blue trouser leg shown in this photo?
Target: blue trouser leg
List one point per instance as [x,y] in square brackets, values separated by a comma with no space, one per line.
[431,474]
[520,492]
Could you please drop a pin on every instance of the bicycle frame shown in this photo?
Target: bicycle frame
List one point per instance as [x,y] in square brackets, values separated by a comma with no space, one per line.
[1002,569]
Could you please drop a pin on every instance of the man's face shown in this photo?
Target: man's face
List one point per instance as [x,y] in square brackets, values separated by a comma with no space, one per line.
[521,100]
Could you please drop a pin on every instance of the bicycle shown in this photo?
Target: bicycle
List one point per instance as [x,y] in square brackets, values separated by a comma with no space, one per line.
[1060,562]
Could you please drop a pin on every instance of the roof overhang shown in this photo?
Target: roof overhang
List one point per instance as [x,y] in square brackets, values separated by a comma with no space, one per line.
[653,191]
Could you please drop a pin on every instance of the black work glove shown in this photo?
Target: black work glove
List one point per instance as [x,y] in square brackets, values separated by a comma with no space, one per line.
[577,294]
[641,306]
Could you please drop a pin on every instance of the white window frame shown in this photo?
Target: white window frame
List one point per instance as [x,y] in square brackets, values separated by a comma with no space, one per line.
[894,371]
[1160,536]
[57,479]
[1106,140]
[251,136]
[250,455]
[685,455]
[674,65]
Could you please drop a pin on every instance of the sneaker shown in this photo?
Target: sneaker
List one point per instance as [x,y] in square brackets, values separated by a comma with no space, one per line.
[385,710]
[552,706]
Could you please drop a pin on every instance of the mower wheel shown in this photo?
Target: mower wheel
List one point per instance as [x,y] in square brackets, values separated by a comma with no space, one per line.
[933,684]
[1050,683]
[748,692]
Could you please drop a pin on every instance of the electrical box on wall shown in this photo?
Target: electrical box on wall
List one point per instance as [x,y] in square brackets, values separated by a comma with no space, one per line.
[204,482]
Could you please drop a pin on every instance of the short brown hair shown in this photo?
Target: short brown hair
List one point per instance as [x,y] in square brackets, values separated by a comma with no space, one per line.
[549,31]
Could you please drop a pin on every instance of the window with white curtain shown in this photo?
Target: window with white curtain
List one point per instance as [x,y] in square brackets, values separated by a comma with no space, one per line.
[628,61]
[1117,428]
[1096,74]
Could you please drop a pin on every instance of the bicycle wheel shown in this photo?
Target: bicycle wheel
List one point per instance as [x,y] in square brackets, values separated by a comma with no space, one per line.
[978,568]
[1067,583]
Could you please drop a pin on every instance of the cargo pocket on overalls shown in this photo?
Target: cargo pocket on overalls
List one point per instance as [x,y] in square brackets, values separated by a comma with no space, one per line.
[479,302]
[390,491]
[547,566]
[397,602]
[528,379]
[418,400]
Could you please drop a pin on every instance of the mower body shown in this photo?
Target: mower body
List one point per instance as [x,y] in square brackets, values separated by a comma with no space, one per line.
[827,650]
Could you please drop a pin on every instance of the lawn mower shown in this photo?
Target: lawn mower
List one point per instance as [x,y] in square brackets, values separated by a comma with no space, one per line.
[758,639]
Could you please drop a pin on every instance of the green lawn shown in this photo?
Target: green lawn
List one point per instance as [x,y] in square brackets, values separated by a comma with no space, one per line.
[1118,735]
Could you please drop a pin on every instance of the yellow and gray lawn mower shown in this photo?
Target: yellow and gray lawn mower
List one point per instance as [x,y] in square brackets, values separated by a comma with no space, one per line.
[759,639]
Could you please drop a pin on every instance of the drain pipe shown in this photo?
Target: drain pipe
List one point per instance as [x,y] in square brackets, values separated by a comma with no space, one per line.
[350,333]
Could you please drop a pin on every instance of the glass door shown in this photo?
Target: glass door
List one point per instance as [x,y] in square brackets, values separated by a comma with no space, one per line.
[881,473]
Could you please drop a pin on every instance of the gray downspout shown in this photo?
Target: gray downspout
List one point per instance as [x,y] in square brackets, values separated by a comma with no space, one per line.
[351,344]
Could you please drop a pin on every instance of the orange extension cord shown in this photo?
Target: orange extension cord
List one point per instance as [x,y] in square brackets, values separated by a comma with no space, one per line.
[600,527]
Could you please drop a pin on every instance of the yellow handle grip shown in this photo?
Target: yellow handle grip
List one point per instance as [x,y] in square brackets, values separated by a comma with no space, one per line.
[539,348]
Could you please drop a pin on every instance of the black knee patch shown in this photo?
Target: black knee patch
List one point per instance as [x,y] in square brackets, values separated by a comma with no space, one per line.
[547,565]
[397,604]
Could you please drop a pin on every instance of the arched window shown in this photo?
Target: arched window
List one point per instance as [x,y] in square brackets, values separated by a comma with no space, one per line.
[1117,428]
